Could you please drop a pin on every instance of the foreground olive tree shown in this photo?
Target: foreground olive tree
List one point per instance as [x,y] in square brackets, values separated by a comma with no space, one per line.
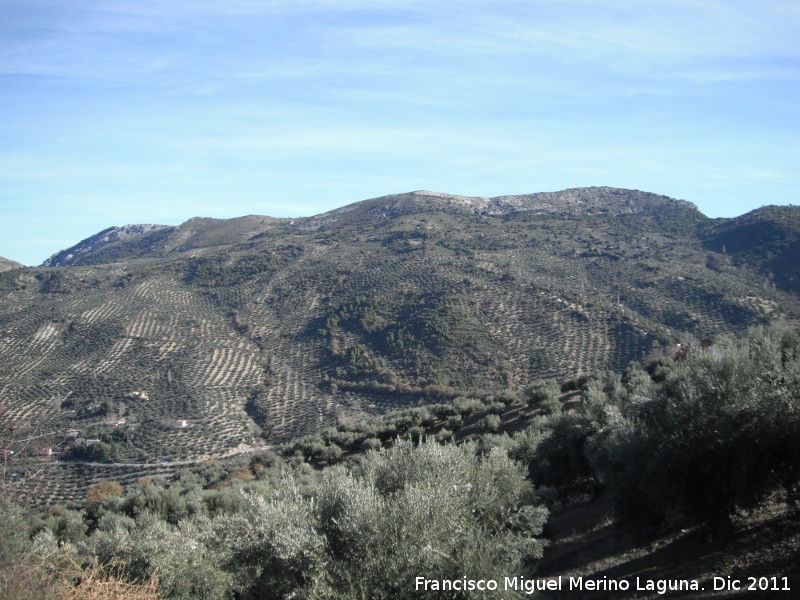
[718,435]
[433,511]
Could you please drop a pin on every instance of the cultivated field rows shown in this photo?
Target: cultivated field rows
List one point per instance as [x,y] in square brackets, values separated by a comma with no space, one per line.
[483,304]
[65,484]
[165,324]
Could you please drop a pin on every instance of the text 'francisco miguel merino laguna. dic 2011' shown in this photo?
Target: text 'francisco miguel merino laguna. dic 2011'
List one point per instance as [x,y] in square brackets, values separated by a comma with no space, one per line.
[529,586]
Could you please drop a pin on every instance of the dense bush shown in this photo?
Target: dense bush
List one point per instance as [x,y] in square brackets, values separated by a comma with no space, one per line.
[719,433]
[437,510]
[560,459]
[544,395]
[714,433]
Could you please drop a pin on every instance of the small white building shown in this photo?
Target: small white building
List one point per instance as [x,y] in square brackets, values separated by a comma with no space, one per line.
[181,423]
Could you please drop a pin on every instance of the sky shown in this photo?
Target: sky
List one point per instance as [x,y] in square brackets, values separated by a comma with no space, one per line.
[122,111]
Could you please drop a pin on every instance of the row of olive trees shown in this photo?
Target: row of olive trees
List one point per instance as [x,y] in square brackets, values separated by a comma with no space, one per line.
[443,419]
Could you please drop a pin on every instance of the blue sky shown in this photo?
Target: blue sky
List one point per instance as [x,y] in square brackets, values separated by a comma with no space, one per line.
[122,111]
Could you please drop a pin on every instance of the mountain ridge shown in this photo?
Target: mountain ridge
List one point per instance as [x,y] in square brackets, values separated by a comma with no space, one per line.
[115,243]
[768,236]
[7,264]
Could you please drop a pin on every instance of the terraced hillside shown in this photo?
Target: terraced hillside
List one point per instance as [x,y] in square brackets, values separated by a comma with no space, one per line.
[155,343]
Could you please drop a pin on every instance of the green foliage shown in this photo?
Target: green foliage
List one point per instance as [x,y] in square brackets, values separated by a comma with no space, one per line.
[659,367]
[13,532]
[444,435]
[544,395]
[705,442]
[467,406]
[637,386]
[165,502]
[490,424]
[363,530]
[506,397]
[575,383]
[402,342]
[714,436]
[98,452]
[362,312]
[560,459]
[274,545]
[435,510]
[411,423]
[54,282]
[719,434]
[187,566]
[767,238]
[358,360]
[218,270]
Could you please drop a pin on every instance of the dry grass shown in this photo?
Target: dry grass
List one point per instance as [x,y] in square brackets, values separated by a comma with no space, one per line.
[59,577]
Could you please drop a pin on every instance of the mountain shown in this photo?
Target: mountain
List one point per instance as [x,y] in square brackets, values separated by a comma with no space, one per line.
[117,244]
[767,238]
[7,264]
[149,241]
[255,330]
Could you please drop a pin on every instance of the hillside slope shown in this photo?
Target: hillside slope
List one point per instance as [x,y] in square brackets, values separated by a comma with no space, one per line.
[255,330]
[767,238]
[7,264]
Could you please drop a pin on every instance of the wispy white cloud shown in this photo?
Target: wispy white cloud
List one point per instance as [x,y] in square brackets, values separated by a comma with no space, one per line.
[194,43]
[262,101]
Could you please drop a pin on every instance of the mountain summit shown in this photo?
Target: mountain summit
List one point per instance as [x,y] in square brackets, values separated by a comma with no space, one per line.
[575,201]
[100,242]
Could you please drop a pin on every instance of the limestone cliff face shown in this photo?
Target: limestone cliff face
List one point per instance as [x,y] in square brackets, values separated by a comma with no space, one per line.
[102,241]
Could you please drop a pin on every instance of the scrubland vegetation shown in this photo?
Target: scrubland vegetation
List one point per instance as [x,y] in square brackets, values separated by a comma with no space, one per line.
[698,436]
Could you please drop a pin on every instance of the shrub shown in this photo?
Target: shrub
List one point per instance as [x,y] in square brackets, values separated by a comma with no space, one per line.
[439,511]
[544,395]
[186,564]
[719,434]
[490,424]
[370,529]
[444,435]
[561,459]
[506,397]
[371,444]
[468,406]
[103,491]
[273,546]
